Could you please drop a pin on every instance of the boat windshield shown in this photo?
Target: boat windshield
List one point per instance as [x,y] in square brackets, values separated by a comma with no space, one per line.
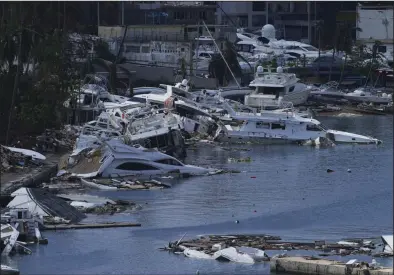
[322,126]
[310,48]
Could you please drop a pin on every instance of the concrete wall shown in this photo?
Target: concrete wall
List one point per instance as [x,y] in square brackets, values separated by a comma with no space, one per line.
[319,267]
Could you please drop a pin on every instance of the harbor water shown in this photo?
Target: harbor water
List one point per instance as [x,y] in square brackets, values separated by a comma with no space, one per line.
[284,191]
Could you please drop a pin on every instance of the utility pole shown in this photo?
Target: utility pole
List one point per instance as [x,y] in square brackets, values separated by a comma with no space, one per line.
[309,21]
[122,13]
[98,14]
[266,12]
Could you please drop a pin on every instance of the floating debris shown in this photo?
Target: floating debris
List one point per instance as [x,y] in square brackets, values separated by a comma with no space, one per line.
[58,140]
[98,205]
[248,159]
[13,159]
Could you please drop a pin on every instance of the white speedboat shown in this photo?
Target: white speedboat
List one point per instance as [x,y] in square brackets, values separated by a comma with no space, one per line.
[272,127]
[363,95]
[7,270]
[272,88]
[120,160]
[246,255]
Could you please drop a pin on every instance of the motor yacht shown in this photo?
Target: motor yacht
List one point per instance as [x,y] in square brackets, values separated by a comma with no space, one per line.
[120,160]
[272,88]
[273,127]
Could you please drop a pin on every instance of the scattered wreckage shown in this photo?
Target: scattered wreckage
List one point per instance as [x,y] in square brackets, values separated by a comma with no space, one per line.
[252,248]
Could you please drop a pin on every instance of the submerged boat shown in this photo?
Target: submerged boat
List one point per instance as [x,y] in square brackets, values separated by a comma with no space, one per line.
[117,159]
[273,127]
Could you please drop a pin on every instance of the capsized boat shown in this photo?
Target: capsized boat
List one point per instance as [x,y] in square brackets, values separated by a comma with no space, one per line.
[245,255]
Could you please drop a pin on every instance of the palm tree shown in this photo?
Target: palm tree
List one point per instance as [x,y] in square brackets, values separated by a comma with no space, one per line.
[345,43]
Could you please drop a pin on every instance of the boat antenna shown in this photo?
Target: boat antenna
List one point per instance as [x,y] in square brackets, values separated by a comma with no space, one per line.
[221,54]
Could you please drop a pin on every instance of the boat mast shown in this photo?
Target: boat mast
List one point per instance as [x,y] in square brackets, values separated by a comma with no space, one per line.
[221,54]
[196,51]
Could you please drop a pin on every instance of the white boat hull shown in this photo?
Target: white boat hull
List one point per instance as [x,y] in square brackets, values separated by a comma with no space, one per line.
[7,270]
[27,152]
[296,98]
[235,137]
[345,137]
[368,99]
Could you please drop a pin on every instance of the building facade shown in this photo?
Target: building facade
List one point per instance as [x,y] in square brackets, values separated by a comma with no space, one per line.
[293,20]
[376,24]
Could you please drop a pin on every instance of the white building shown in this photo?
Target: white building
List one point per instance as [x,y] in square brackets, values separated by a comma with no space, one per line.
[376,23]
[255,14]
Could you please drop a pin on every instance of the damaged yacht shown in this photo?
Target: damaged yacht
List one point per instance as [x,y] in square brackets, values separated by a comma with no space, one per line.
[273,127]
[117,159]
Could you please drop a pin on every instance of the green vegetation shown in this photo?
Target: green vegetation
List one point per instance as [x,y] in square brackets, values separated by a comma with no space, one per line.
[37,67]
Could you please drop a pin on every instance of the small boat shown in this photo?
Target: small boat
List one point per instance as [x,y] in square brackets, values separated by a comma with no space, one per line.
[26,152]
[7,270]
[92,184]
[192,253]
[361,95]
[246,255]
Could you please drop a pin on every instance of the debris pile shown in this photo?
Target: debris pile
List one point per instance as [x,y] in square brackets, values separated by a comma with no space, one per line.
[209,242]
[12,160]
[97,205]
[58,140]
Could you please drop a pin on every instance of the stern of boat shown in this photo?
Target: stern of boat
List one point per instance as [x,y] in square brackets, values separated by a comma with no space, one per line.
[346,137]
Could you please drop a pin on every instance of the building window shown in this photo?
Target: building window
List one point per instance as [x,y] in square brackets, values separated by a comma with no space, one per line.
[258,20]
[132,49]
[203,15]
[132,166]
[258,6]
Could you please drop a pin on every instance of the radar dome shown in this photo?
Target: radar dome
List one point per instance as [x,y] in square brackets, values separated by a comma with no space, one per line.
[279,70]
[268,31]
[260,69]
[184,82]
[390,96]
[384,95]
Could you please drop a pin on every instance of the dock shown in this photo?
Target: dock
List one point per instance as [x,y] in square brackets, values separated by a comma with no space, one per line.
[90,226]
[301,265]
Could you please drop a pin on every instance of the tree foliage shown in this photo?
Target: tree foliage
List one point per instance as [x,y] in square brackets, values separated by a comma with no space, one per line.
[38,65]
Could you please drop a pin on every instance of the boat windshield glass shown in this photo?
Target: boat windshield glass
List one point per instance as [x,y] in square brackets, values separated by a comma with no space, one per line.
[310,48]
[322,126]
[169,162]
[268,90]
